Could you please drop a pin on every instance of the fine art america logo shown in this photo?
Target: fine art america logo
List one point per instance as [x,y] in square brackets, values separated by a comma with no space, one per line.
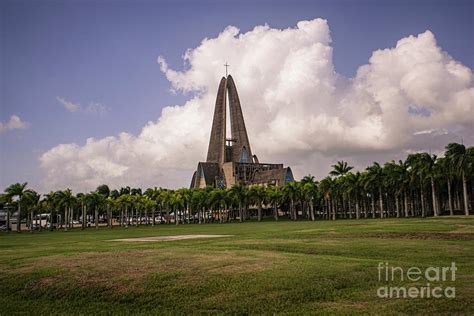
[435,278]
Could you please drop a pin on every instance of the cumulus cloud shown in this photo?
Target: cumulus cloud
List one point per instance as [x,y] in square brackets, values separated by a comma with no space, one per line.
[68,105]
[298,110]
[14,122]
[97,109]
[93,108]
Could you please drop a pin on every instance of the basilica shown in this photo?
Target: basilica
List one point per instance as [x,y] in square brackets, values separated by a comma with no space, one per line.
[229,157]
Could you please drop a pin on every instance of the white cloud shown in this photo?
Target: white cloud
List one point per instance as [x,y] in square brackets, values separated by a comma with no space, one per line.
[298,110]
[14,122]
[97,109]
[68,105]
[93,108]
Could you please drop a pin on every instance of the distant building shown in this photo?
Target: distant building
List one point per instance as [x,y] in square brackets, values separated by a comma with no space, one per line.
[230,160]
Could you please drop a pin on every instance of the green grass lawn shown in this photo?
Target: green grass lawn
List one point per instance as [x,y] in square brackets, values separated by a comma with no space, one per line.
[268,267]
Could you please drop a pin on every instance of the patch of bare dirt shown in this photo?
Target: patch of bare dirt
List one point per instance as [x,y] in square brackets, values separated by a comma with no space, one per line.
[168,238]
[427,235]
[125,270]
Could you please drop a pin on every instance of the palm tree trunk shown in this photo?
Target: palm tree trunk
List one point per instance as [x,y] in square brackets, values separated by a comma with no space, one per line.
[31,221]
[275,211]
[464,191]
[397,205]
[311,208]
[357,209]
[51,220]
[18,217]
[96,218]
[109,217]
[423,213]
[259,211]
[292,209]
[48,220]
[83,222]
[450,198]
[405,200]
[38,221]
[373,205]
[381,202]
[127,219]
[433,197]
[326,209]
[65,218]
[241,215]
[8,220]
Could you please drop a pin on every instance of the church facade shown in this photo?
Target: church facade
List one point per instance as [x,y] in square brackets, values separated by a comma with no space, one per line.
[230,159]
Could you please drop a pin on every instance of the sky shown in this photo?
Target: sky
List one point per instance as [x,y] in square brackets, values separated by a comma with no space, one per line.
[122,92]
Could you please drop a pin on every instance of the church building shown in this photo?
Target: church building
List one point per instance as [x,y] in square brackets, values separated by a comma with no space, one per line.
[230,159]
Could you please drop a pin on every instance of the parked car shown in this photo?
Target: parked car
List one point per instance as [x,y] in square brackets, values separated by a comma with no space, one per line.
[48,226]
[3,228]
[35,226]
[160,220]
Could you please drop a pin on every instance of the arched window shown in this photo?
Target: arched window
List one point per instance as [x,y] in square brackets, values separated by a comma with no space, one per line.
[244,155]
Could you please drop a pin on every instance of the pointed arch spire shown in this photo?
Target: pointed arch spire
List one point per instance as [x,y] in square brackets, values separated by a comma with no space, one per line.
[216,150]
[237,123]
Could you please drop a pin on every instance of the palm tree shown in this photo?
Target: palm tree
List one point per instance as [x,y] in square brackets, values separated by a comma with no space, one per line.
[114,206]
[340,169]
[177,204]
[50,200]
[419,164]
[470,171]
[375,177]
[82,198]
[274,197]
[96,200]
[404,182]
[218,201]
[104,191]
[17,190]
[239,192]
[186,195]
[310,189]
[67,200]
[291,192]
[326,187]
[111,204]
[355,188]
[445,165]
[432,171]
[31,202]
[460,159]
[257,196]
[124,202]
[154,195]
[165,198]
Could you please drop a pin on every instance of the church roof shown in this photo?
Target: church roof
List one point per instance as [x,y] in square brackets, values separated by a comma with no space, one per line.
[207,170]
[281,175]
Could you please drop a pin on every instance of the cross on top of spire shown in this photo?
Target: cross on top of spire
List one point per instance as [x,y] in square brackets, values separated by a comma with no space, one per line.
[226,65]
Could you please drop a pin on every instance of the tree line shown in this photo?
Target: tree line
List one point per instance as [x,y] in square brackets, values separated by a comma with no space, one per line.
[421,185]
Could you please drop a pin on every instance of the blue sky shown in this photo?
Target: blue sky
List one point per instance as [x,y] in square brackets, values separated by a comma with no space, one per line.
[104,52]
